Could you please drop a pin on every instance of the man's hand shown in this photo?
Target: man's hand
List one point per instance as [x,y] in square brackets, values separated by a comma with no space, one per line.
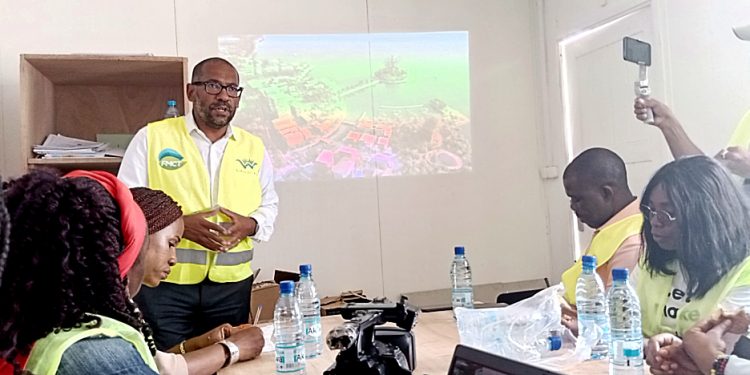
[249,340]
[569,317]
[204,232]
[712,337]
[656,362]
[665,355]
[241,228]
[740,321]
[736,159]
[704,346]
[663,116]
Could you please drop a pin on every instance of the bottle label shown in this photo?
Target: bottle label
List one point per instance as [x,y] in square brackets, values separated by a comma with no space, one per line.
[463,298]
[627,352]
[290,358]
[312,329]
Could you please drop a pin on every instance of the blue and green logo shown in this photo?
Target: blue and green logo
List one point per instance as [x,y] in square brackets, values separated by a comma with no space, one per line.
[247,163]
[171,159]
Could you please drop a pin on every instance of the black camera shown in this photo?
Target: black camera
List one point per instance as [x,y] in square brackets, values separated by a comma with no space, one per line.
[366,348]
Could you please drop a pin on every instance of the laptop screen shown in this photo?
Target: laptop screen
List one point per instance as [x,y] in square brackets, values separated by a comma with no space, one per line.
[470,361]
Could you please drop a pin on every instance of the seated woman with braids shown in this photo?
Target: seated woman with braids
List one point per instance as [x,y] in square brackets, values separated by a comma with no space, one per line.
[66,299]
[165,227]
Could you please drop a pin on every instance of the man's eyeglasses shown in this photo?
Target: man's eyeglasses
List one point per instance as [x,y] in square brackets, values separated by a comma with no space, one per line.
[662,216]
[214,88]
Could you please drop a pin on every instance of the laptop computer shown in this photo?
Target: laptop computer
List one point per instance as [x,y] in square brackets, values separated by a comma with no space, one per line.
[470,361]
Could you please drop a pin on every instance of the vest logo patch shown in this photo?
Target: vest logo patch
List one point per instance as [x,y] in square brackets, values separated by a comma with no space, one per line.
[170,159]
[247,163]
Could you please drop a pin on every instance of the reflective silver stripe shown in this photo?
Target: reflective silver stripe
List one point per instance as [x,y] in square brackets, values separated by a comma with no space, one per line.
[191,256]
[233,259]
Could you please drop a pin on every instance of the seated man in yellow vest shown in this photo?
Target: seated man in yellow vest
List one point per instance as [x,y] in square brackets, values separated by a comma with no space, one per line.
[222,177]
[596,182]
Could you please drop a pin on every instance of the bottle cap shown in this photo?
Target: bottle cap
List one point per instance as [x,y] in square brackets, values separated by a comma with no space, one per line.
[287,287]
[305,269]
[458,250]
[588,261]
[620,274]
[555,342]
[172,103]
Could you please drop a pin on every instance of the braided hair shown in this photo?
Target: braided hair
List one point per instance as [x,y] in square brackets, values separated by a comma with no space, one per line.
[63,261]
[158,207]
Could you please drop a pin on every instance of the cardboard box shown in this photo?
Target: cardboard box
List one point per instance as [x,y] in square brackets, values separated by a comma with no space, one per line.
[264,295]
[331,305]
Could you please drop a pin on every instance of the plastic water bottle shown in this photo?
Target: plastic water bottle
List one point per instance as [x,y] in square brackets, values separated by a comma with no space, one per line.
[309,306]
[593,318]
[551,343]
[172,110]
[288,332]
[625,320]
[462,295]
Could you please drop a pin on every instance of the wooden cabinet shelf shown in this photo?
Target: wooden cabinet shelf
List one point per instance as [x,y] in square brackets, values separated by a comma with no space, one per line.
[111,164]
[84,95]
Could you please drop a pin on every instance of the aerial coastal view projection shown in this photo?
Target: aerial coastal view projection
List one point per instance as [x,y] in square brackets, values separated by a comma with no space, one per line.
[335,106]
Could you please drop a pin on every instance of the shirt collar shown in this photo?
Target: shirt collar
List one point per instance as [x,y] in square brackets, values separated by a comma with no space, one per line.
[631,209]
[193,127]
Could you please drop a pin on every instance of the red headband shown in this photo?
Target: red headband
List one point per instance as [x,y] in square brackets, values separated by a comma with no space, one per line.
[132,221]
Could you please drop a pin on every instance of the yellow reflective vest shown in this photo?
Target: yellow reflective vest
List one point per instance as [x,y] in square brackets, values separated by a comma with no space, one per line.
[176,167]
[653,290]
[47,353]
[603,246]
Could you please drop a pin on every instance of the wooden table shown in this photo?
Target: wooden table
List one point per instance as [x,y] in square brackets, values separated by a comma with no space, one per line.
[436,336]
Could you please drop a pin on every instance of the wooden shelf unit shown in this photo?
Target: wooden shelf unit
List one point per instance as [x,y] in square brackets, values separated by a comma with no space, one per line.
[108,163]
[85,95]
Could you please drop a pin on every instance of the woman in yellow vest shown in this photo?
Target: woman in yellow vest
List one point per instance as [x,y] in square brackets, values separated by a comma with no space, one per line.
[68,309]
[63,278]
[697,236]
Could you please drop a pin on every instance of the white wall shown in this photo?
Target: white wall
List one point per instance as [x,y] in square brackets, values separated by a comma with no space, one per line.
[37,26]
[709,68]
[387,235]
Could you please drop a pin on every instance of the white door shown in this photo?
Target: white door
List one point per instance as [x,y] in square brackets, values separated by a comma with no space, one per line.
[597,95]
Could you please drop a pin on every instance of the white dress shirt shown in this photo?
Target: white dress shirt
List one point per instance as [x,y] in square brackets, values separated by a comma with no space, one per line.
[134,172]
[737,366]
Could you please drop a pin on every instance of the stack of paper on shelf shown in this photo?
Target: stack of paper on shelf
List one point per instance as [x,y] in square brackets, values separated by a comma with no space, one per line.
[60,146]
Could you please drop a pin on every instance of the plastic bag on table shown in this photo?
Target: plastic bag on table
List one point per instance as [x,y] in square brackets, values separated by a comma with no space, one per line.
[520,331]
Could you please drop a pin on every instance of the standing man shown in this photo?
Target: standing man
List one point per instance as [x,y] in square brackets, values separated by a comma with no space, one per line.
[223,179]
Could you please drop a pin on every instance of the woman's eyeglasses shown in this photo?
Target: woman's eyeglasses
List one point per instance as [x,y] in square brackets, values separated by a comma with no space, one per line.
[661,216]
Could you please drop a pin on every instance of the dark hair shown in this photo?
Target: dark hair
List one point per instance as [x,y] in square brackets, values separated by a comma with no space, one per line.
[713,219]
[599,166]
[158,207]
[62,263]
[198,69]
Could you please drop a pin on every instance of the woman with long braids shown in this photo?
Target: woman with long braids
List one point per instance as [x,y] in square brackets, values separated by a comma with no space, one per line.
[71,245]
[66,298]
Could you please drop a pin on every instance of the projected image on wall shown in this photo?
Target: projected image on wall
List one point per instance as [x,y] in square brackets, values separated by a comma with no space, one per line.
[339,106]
